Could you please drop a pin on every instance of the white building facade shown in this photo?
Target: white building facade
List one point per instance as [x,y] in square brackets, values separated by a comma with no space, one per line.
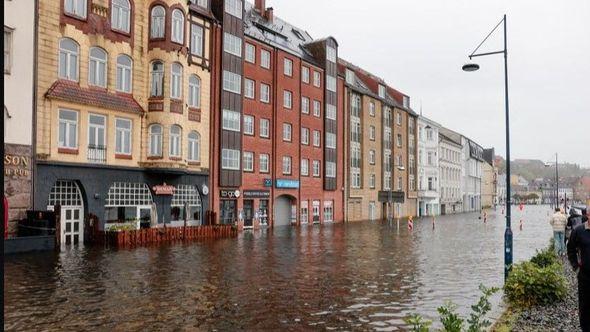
[451,165]
[472,175]
[428,168]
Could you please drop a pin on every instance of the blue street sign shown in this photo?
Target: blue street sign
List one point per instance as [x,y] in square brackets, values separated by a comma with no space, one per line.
[287,184]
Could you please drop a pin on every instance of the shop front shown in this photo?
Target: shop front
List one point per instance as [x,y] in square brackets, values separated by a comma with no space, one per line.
[256,207]
[228,206]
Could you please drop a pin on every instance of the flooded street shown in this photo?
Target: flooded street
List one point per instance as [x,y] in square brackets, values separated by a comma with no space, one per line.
[362,276]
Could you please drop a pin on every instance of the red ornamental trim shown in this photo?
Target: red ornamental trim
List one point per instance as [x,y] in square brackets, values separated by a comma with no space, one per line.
[163,189]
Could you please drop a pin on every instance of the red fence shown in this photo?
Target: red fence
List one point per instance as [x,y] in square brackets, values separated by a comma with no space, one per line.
[149,236]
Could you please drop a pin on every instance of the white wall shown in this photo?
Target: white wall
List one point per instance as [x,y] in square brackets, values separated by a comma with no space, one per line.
[18,85]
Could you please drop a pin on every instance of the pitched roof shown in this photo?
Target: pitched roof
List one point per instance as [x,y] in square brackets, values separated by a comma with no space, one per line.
[72,92]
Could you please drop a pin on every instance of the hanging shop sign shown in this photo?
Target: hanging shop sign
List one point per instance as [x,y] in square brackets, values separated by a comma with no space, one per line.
[163,189]
[229,193]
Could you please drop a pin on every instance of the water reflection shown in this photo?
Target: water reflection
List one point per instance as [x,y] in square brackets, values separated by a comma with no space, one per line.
[357,276]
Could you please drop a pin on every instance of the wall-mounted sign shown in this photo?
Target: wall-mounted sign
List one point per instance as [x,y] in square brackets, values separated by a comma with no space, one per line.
[256,193]
[205,190]
[233,193]
[287,184]
[163,189]
[391,196]
[475,151]
[15,165]
[268,182]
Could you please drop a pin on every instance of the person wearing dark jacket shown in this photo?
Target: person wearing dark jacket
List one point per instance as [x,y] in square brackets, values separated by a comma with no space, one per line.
[578,252]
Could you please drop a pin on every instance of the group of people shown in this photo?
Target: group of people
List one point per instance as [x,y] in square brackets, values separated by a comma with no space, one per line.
[573,232]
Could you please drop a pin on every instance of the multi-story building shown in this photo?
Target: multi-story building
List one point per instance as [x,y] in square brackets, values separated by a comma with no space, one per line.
[489,180]
[278,127]
[19,67]
[472,174]
[451,169]
[501,193]
[428,167]
[123,95]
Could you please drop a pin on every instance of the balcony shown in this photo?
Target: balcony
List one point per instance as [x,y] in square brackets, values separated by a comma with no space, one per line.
[97,154]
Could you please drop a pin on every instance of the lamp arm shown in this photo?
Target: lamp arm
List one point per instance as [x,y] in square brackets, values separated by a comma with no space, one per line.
[486,38]
[488,53]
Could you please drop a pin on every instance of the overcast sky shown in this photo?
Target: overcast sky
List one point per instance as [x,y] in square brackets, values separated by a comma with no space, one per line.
[419,46]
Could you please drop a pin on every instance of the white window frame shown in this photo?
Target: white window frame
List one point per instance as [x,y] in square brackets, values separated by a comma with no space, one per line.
[158,23]
[175,142]
[124,75]
[287,169]
[305,105]
[70,128]
[230,159]
[287,99]
[287,132]
[331,112]
[234,7]
[250,55]
[248,125]
[330,169]
[382,92]
[157,79]
[305,167]
[249,89]
[317,108]
[264,93]
[97,128]
[331,54]
[231,120]
[330,140]
[372,108]
[265,128]
[71,59]
[372,157]
[305,136]
[264,59]
[120,9]
[248,161]
[232,82]
[331,83]
[177,26]
[317,138]
[317,79]
[264,166]
[305,74]
[194,146]
[194,91]
[197,37]
[126,135]
[288,67]
[232,44]
[316,168]
[95,64]
[372,132]
[155,140]
[176,73]
[76,8]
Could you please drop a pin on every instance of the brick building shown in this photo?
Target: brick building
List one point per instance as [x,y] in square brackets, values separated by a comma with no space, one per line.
[123,95]
[278,125]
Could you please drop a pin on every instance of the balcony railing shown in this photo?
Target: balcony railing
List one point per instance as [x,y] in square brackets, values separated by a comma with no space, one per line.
[97,154]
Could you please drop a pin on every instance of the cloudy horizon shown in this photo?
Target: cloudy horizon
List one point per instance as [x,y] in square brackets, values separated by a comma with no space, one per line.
[418,47]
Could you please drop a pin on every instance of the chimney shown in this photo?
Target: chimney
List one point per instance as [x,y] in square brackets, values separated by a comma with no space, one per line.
[260,5]
[269,14]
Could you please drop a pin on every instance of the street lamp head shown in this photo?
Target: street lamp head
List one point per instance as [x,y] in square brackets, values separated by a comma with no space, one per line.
[470,67]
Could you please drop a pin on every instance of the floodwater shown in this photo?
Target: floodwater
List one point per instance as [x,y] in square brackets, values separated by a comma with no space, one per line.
[358,276]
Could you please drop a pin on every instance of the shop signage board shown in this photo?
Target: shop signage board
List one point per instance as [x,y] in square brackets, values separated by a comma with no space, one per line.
[287,184]
[16,165]
[229,193]
[256,193]
[163,189]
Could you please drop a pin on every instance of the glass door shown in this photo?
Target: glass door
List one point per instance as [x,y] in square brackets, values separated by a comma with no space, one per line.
[248,213]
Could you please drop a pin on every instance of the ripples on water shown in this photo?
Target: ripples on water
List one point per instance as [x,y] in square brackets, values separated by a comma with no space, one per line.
[360,276]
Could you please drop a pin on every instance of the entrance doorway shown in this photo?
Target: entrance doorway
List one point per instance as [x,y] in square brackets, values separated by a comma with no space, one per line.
[72,225]
[67,194]
[228,211]
[283,208]
[248,213]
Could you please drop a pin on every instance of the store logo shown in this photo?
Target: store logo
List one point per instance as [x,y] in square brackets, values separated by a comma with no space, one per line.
[163,189]
[229,193]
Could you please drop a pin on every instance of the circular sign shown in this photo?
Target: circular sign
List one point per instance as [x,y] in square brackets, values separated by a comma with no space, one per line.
[205,190]
[237,193]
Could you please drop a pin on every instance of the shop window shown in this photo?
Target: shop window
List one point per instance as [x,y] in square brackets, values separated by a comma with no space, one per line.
[65,193]
[129,203]
[328,211]
[304,212]
[186,202]
[316,211]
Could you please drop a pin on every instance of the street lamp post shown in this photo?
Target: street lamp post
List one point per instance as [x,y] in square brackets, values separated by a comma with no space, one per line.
[557,183]
[473,67]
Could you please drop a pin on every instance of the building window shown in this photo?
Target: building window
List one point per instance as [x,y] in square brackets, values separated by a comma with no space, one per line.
[7,49]
[65,193]
[317,108]
[97,67]
[330,169]
[230,159]
[232,82]
[248,162]
[399,140]
[330,112]
[175,141]
[304,105]
[186,196]
[398,118]
[372,157]
[331,83]
[305,136]
[248,125]
[124,72]
[68,129]
[96,137]
[406,102]
[331,54]
[265,59]
[305,74]
[123,136]
[399,183]
[75,7]
[304,216]
[317,79]
[264,128]
[287,128]
[264,167]
[155,142]
[330,140]
[328,211]
[264,93]
[194,91]
[157,79]
[68,59]
[316,138]
[234,7]
[372,181]
[232,44]
[316,211]
[120,15]
[194,146]
[316,168]
[158,22]
[176,81]
[178,26]
[350,77]
[288,70]
[372,108]
[197,40]
[231,120]
[250,53]
[372,133]
[249,88]
[286,165]
[287,99]
[355,178]
[200,3]
[381,91]
[305,167]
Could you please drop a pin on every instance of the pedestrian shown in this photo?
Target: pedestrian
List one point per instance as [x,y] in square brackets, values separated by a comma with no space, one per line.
[558,222]
[573,221]
[578,252]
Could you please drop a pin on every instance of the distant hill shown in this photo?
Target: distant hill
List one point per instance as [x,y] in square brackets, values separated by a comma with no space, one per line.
[532,169]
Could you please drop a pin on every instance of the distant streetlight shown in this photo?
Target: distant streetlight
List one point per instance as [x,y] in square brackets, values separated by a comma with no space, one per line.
[557,183]
[470,67]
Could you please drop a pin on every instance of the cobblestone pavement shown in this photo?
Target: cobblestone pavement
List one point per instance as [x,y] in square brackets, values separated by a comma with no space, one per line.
[561,316]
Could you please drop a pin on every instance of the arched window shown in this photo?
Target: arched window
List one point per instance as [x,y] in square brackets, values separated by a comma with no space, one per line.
[120,15]
[175,140]
[124,72]
[194,146]
[194,91]
[155,141]
[157,87]
[68,59]
[176,81]
[177,26]
[158,22]
[97,68]
[75,7]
